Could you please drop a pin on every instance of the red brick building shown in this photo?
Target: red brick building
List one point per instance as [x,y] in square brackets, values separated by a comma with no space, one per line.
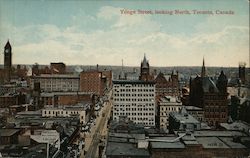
[95,81]
[55,68]
[211,96]
[164,87]
[65,98]
[8,100]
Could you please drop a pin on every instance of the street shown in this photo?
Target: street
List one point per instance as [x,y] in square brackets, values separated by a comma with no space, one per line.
[92,139]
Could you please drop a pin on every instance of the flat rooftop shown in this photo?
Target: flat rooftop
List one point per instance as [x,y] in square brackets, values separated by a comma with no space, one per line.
[184,118]
[125,149]
[164,145]
[210,133]
[231,143]
[132,82]
[212,142]
[127,135]
[58,76]
[51,94]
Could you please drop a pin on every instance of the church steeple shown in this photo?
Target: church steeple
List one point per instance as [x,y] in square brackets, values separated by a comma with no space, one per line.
[203,69]
[122,75]
[222,83]
[144,62]
[145,76]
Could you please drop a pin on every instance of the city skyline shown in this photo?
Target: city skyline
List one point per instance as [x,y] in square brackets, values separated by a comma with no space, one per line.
[105,32]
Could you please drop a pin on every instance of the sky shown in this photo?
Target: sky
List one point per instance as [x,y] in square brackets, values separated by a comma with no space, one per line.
[79,32]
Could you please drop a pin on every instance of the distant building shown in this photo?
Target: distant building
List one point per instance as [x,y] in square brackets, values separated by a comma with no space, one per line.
[182,121]
[164,87]
[8,61]
[145,71]
[108,75]
[65,98]
[134,99]
[21,72]
[68,111]
[55,68]
[58,68]
[8,100]
[242,72]
[167,105]
[95,81]
[210,96]
[57,82]
[8,88]
[196,112]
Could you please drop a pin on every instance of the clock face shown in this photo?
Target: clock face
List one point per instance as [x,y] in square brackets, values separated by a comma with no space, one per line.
[7,51]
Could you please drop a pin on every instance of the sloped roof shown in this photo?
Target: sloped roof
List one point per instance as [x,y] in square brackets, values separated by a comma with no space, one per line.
[208,85]
[7,45]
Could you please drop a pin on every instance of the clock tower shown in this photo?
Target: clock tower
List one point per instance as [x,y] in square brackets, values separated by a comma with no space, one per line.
[7,60]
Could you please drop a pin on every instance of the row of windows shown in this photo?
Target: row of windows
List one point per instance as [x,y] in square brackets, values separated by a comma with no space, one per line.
[134,85]
[165,88]
[149,123]
[59,80]
[134,99]
[50,86]
[134,95]
[133,114]
[215,110]
[134,109]
[140,119]
[215,116]
[212,103]
[134,90]
[170,108]
[59,86]
[164,114]
[58,112]
[133,104]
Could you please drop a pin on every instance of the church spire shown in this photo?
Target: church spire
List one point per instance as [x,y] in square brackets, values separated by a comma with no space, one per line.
[122,75]
[203,69]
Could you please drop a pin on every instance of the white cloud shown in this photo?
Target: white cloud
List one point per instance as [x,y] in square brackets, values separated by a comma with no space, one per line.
[128,38]
[108,12]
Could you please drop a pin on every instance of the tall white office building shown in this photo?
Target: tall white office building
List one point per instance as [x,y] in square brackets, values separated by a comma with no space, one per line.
[134,99]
